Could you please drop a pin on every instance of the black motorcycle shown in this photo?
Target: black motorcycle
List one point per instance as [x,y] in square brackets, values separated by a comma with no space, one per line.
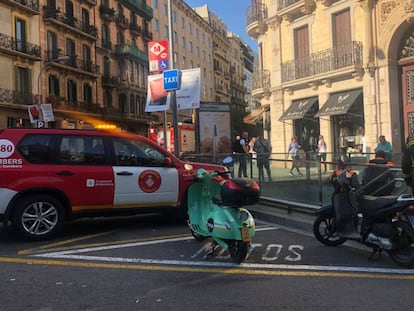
[382,223]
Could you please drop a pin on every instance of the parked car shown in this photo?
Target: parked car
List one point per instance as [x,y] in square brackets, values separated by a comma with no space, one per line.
[48,176]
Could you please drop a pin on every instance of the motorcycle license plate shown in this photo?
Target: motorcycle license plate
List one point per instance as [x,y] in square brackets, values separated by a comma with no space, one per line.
[245,234]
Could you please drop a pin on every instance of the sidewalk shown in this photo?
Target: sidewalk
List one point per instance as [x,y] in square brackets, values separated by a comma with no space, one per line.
[293,200]
[309,190]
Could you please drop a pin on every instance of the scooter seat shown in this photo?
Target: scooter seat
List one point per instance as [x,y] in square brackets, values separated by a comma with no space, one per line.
[371,203]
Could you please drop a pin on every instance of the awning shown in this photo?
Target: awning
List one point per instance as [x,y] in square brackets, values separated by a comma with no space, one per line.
[298,109]
[339,103]
[256,115]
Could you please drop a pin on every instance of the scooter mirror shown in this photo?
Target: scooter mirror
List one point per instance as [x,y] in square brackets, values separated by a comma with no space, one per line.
[228,160]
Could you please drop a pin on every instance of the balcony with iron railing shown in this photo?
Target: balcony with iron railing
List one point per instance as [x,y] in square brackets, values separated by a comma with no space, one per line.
[135,29]
[28,6]
[106,44]
[91,2]
[261,84]
[218,69]
[109,81]
[111,113]
[12,46]
[107,13]
[130,50]
[61,103]
[55,16]
[283,4]
[292,9]
[255,16]
[122,21]
[13,97]
[220,51]
[138,6]
[85,67]
[330,61]
[148,35]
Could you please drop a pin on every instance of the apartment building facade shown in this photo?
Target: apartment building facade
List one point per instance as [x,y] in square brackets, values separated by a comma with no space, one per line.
[192,44]
[340,68]
[89,59]
[221,50]
[20,60]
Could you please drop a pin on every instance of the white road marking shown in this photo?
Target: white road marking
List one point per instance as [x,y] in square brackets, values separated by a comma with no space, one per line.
[75,255]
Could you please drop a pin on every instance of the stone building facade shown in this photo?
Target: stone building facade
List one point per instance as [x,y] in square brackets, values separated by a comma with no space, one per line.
[340,68]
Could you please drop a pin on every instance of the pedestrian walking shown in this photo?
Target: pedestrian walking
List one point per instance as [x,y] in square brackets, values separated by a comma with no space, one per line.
[252,152]
[384,145]
[293,151]
[264,150]
[243,155]
[322,151]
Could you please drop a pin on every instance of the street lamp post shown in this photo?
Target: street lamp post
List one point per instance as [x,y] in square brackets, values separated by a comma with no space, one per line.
[42,69]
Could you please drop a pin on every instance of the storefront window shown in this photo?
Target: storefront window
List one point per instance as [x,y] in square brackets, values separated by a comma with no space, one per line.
[307,129]
[349,131]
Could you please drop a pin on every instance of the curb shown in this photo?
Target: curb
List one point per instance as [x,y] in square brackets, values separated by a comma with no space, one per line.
[286,213]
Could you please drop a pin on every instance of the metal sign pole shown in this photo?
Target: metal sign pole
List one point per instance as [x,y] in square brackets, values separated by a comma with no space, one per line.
[173,103]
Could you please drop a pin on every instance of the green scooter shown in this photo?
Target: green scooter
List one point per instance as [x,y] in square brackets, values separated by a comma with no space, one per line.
[215,211]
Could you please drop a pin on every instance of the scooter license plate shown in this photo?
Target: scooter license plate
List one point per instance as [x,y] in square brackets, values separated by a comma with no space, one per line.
[245,234]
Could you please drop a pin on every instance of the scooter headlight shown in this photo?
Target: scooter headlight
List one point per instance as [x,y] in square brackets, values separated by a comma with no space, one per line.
[244,216]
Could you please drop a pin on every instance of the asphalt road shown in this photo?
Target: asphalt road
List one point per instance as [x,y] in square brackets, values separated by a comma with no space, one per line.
[147,263]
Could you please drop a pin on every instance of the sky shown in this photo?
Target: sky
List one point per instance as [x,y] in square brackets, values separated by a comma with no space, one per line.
[232,12]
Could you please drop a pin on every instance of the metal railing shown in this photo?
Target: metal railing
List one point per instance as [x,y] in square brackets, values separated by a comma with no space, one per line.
[16,97]
[324,61]
[313,188]
[11,43]
[56,14]
[282,4]
[261,79]
[256,13]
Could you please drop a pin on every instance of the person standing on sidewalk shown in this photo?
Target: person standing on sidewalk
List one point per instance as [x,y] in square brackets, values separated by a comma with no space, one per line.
[252,152]
[264,150]
[322,151]
[244,155]
[293,152]
[384,145]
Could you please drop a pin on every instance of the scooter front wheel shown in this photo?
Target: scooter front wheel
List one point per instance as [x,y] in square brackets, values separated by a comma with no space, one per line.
[238,250]
[325,232]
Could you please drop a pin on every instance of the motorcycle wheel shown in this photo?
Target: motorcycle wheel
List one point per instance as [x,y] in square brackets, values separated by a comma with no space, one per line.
[324,231]
[197,236]
[238,250]
[403,244]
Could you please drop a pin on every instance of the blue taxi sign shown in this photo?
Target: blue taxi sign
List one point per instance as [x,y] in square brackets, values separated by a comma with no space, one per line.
[171,80]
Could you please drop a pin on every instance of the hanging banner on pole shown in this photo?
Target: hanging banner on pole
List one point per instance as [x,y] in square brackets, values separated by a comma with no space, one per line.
[47,112]
[157,98]
[34,113]
[188,96]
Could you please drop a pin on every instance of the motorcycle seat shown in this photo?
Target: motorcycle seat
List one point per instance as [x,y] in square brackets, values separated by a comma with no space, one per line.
[371,203]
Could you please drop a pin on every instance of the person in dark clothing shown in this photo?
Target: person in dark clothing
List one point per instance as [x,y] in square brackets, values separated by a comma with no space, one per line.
[243,155]
[344,171]
[379,169]
[237,148]
[264,151]
[407,163]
